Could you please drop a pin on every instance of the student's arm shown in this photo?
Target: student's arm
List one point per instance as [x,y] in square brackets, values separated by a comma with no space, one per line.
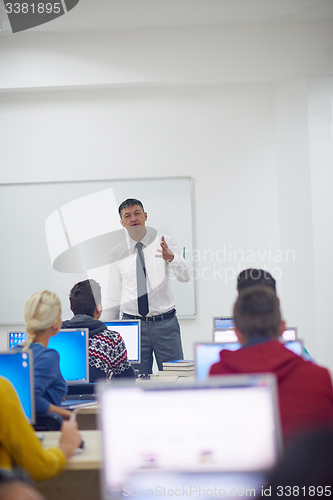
[66,414]
[46,372]
[19,443]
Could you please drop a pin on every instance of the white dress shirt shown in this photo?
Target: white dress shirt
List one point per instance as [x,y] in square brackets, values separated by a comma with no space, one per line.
[122,287]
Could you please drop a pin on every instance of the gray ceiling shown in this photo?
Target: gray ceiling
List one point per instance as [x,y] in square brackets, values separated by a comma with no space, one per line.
[96,15]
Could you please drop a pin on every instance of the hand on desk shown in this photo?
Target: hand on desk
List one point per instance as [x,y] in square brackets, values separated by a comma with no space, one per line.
[70,438]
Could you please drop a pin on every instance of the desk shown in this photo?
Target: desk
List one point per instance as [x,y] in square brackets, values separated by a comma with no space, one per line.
[87,418]
[81,478]
[167,379]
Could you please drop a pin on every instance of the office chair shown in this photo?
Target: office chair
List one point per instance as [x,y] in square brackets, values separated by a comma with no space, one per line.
[48,422]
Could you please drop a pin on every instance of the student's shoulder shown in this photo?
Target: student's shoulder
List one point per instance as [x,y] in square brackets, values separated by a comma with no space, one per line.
[108,335]
[46,354]
[316,372]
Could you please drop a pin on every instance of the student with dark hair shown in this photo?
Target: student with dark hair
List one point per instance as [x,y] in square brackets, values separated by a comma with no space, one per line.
[107,350]
[252,277]
[305,390]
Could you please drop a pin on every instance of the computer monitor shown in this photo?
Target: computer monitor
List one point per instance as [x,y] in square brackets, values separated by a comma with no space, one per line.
[17,367]
[290,334]
[72,346]
[223,323]
[207,354]
[225,335]
[187,436]
[130,330]
[223,331]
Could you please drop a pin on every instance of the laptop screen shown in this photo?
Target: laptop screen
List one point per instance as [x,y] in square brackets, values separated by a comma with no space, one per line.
[18,369]
[72,346]
[223,323]
[188,433]
[130,330]
[207,354]
[223,331]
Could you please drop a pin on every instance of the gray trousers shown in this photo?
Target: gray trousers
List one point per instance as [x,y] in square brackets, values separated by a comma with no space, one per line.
[162,338]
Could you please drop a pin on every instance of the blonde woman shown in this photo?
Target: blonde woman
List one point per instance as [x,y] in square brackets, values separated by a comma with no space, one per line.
[42,314]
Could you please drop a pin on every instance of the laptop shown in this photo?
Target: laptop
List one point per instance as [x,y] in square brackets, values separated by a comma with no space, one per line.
[207,354]
[130,330]
[17,367]
[186,437]
[223,331]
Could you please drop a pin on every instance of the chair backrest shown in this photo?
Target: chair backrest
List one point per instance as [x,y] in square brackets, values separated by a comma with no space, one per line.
[48,422]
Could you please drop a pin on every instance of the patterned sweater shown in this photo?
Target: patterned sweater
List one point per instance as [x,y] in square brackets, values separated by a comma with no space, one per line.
[107,350]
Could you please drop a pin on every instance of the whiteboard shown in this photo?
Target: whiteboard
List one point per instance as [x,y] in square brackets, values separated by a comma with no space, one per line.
[26,266]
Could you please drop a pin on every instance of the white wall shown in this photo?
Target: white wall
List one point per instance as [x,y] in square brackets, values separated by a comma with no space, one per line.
[321,161]
[156,103]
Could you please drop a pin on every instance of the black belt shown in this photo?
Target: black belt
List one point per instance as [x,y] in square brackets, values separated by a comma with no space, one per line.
[159,317]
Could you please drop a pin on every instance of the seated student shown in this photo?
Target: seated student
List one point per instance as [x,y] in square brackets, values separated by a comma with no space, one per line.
[306,468]
[259,277]
[42,313]
[19,445]
[107,350]
[305,390]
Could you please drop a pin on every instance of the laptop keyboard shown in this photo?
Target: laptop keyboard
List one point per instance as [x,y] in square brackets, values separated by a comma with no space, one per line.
[85,397]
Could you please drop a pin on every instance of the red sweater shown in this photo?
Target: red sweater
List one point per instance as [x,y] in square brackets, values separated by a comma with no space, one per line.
[305,390]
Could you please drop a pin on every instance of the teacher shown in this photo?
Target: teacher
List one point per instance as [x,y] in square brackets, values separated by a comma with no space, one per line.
[139,285]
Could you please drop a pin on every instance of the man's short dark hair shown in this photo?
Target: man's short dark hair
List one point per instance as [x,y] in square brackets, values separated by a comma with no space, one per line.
[255,277]
[130,202]
[84,297]
[257,313]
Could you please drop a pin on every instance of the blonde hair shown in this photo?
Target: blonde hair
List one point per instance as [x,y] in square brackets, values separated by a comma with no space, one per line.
[41,311]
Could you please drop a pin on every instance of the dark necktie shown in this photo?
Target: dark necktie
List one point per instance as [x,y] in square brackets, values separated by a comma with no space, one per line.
[141,281]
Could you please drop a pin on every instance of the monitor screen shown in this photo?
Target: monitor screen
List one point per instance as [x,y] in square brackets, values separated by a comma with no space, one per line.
[130,330]
[200,434]
[17,368]
[72,346]
[296,346]
[207,355]
[223,323]
[290,334]
[15,338]
[226,335]
[223,331]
